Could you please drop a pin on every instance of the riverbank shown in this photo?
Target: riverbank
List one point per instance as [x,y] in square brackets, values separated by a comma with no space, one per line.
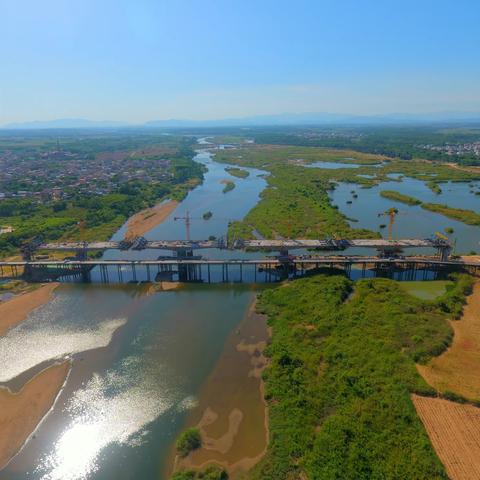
[21,412]
[143,221]
[231,413]
[16,310]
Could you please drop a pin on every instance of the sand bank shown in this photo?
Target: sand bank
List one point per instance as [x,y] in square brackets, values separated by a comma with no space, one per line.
[458,369]
[15,310]
[144,221]
[232,414]
[21,412]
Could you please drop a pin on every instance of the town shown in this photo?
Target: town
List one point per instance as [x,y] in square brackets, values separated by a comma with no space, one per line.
[58,174]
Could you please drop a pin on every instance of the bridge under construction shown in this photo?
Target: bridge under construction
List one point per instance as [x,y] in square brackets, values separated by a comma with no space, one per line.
[187,263]
[184,248]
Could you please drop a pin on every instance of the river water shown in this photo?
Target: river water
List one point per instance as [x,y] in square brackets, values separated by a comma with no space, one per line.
[140,357]
[412,221]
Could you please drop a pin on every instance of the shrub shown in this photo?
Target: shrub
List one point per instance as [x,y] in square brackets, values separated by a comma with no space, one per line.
[188,441]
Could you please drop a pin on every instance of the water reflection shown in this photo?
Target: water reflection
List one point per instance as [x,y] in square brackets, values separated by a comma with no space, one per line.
[111,408]
[50,333]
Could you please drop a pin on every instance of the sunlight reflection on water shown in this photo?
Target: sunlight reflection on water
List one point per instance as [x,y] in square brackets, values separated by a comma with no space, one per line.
[111,408]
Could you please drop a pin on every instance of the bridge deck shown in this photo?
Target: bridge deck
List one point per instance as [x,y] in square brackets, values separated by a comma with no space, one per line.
[318,244]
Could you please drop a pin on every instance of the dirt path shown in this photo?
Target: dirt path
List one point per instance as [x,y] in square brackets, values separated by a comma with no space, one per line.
[144,221]
[21,412]
[458,369]
[454,430]
[16,310]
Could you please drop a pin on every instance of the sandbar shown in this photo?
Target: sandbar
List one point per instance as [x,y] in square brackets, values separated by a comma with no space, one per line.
[143,221]
[21,412]
[17,309]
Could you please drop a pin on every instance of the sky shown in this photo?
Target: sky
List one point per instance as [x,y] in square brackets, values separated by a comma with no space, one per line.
[140,60]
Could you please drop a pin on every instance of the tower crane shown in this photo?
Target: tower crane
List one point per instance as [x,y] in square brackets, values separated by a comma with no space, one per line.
[391,213]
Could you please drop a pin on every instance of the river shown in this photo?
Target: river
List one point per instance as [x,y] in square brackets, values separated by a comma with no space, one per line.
[140,357]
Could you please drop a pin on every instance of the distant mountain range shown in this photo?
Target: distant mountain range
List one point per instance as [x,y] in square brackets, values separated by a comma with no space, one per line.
[293,119]
[64,123]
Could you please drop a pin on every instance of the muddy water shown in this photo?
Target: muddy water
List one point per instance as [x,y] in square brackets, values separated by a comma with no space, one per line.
[231,413]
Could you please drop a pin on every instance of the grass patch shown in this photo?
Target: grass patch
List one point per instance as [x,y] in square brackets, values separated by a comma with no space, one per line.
[210,473]
[229,186]
[399,197]
[465,216]
[340,377]
[237,172]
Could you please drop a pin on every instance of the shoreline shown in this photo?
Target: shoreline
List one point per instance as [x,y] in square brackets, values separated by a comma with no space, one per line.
[23,411]
[15,310]
[231,413]
[142,222]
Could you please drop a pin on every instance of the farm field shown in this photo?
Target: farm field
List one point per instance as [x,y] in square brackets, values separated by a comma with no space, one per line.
[454,430]
[457,370]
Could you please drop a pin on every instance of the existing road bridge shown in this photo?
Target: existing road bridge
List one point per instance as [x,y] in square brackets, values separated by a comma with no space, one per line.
[233,270]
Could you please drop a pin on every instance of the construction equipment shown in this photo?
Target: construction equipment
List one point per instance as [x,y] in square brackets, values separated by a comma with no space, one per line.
[441,236]
[391,213]
[188,221]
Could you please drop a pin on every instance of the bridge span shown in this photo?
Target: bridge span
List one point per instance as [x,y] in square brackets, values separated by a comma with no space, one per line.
[227,270]
[185,248]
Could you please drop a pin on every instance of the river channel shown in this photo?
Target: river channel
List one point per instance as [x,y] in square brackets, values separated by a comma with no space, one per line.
[139,357]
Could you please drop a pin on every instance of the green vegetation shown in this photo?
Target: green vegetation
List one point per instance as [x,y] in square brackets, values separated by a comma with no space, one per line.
[296,205]
[210,473]
[402,142]
[341,371]
[207,215]
[466,216]
[296,202]
[449,230]
[229,185]
[92,217]
[399,197]
[237,172]
[188,441]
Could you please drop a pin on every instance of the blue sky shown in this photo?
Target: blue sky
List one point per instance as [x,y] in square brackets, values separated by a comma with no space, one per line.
[138,60]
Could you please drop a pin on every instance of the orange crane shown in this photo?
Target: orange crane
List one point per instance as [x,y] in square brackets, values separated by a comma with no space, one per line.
[391,213]
[188,220]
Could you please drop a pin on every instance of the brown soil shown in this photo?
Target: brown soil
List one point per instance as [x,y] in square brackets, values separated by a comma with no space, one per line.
[454,430]
[231,414]
[164,286]
[464,168]
[21,412]
[144,221]
[15,310]
[458,369]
